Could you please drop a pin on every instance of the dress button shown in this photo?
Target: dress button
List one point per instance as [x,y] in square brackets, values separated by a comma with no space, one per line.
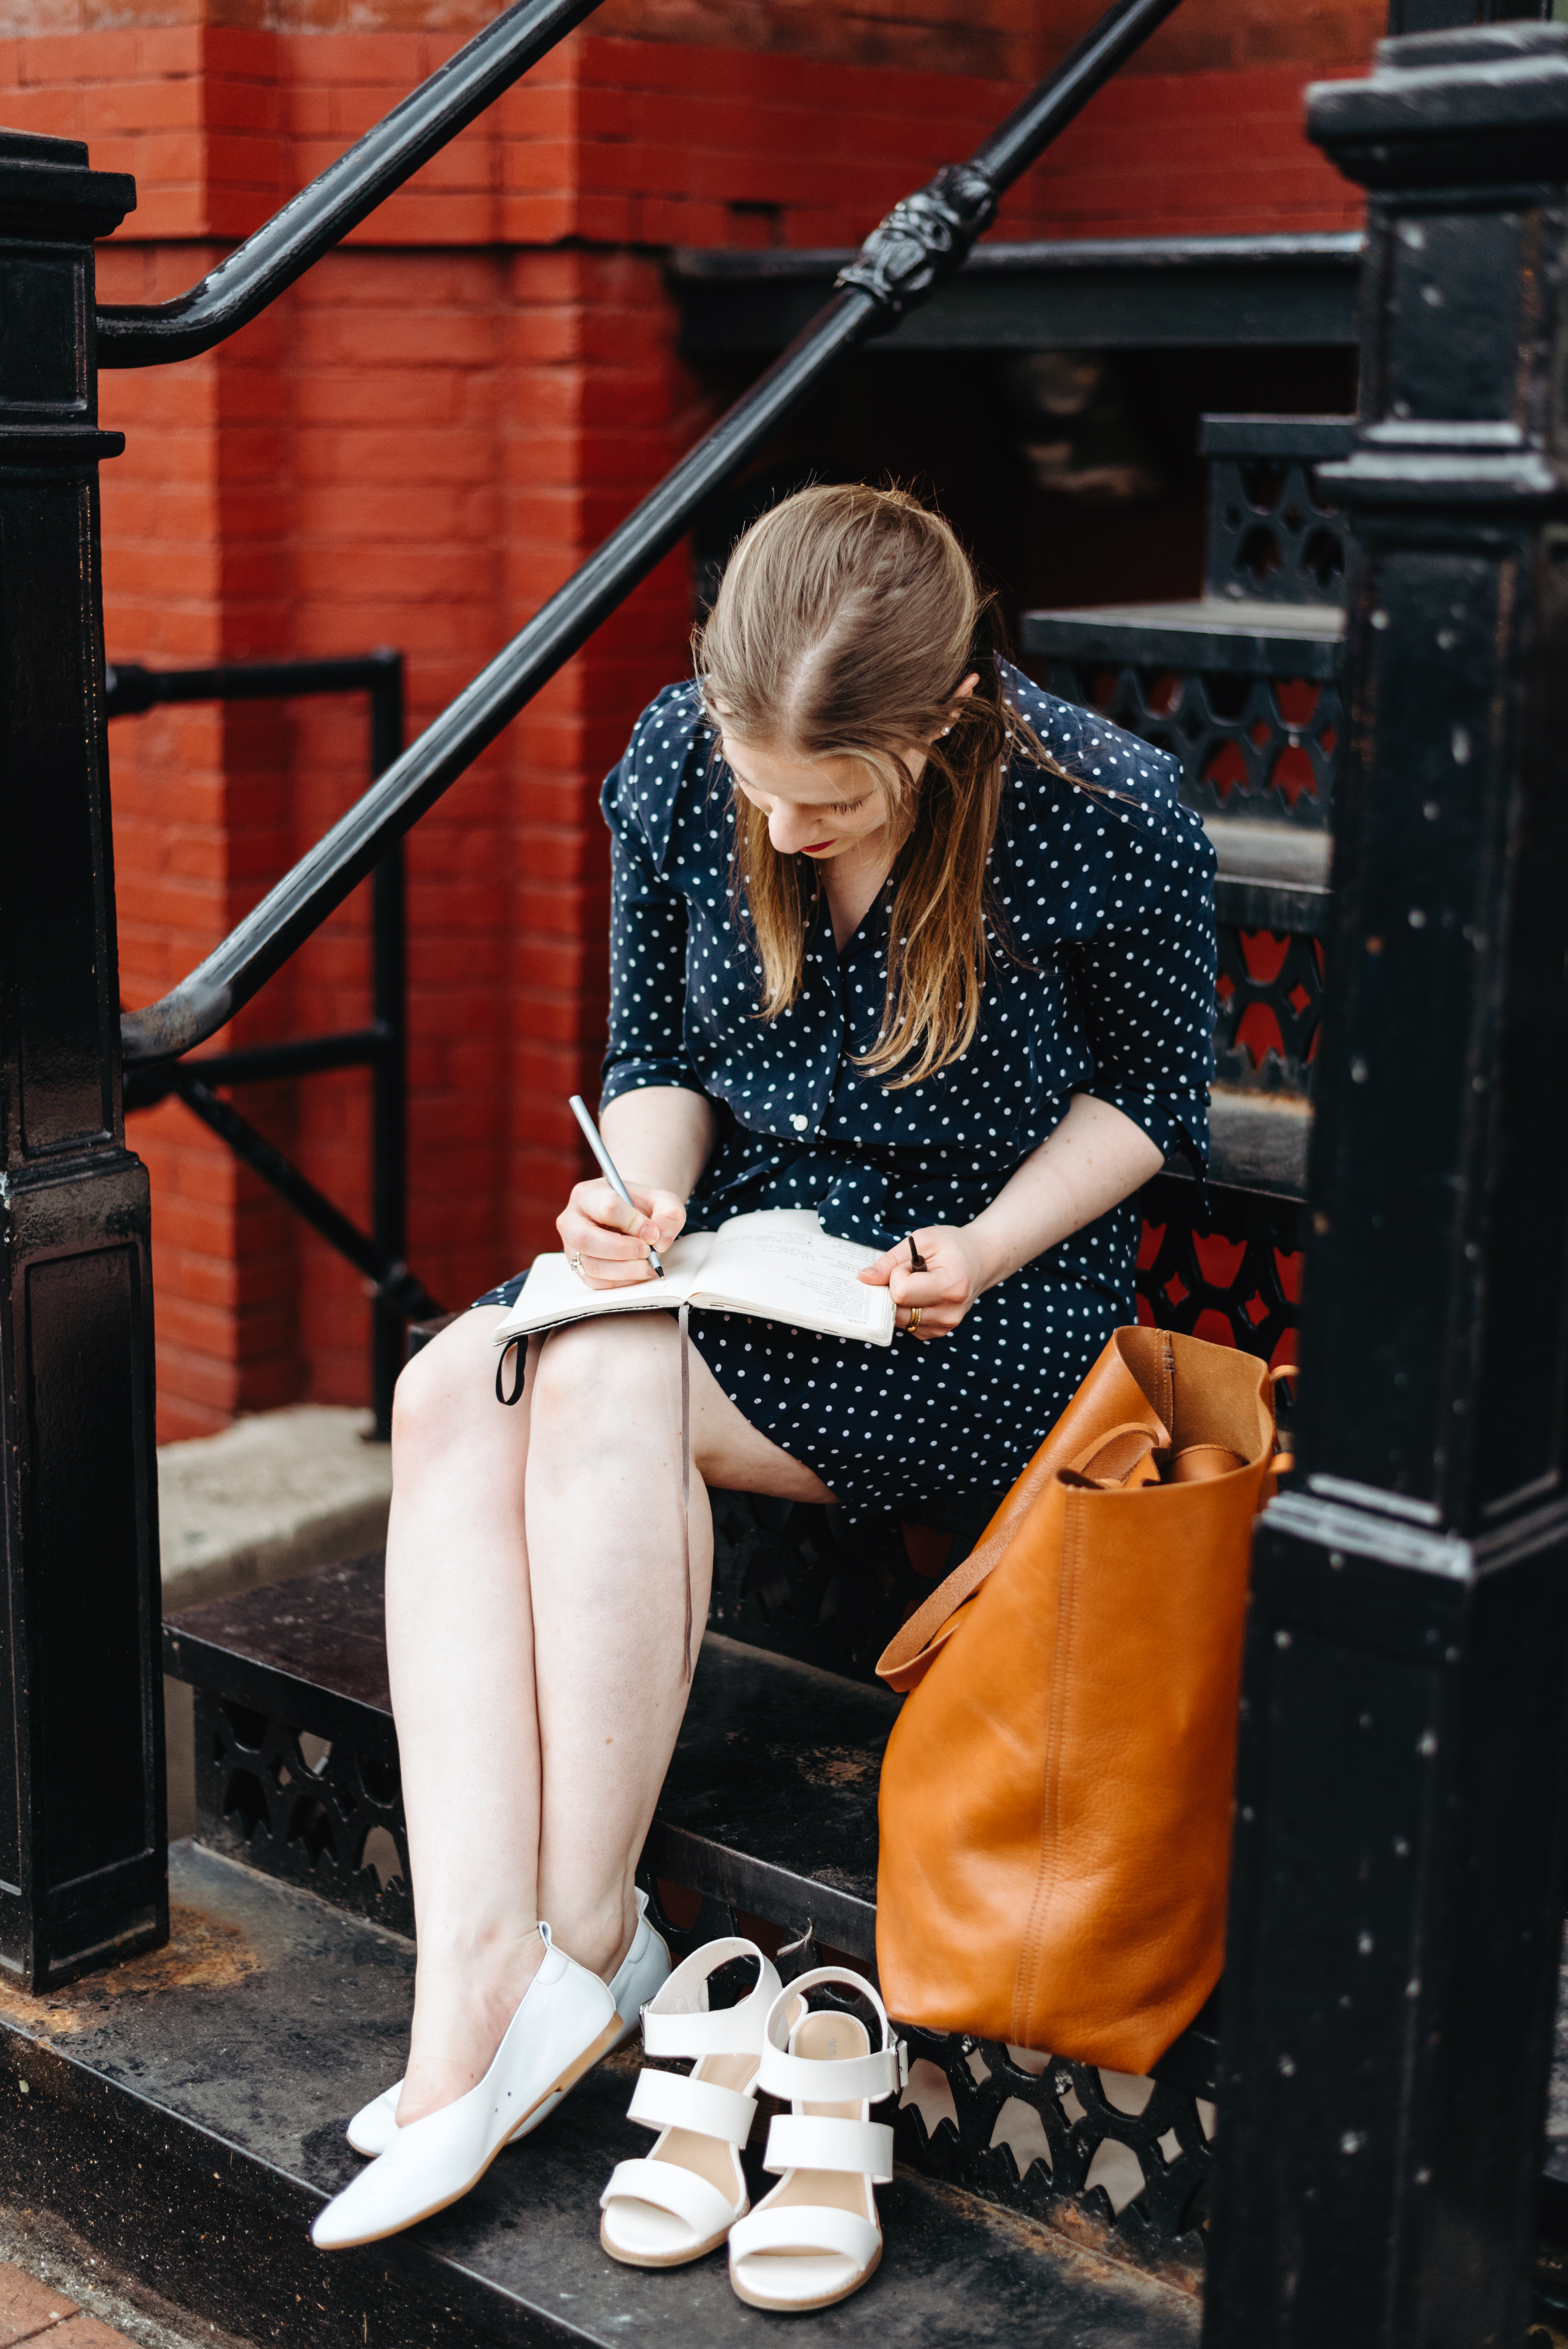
[800,1122]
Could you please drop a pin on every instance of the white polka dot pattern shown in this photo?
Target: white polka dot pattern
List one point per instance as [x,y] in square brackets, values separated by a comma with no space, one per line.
[1107,897]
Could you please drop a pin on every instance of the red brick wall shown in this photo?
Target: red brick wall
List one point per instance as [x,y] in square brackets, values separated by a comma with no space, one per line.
[421,441]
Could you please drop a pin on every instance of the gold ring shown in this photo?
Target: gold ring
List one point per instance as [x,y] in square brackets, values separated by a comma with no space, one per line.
[913,1320]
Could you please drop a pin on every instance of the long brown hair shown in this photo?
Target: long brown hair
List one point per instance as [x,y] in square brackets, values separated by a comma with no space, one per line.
[845,623]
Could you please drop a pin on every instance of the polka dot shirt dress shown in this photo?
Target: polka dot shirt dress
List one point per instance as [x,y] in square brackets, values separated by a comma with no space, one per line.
[1108,898]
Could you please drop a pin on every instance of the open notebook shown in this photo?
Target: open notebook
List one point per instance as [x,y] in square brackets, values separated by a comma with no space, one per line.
[780,1264]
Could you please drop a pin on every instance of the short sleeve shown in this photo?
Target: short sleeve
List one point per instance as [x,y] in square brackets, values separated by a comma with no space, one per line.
[1146,980]
[647,951]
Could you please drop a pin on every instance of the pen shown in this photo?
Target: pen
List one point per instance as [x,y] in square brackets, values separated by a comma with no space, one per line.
[595,1141]
[916,1261]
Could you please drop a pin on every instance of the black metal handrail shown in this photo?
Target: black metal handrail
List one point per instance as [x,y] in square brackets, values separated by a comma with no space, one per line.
[918,248]
[320,215]
[381,1046]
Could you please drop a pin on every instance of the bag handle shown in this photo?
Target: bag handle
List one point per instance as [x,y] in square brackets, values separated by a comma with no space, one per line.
[1116,1454]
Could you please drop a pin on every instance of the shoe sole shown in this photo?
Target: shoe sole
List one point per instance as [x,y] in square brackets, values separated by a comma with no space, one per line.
[558,2086]
[804,2307]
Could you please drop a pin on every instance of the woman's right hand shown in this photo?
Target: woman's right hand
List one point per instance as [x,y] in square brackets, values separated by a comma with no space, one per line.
[611,1238]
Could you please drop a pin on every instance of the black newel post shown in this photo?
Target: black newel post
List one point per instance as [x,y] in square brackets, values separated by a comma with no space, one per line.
[1397,1907]
[83,1872]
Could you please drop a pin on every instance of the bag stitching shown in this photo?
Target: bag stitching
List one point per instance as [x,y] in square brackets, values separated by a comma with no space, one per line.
[1050,1792]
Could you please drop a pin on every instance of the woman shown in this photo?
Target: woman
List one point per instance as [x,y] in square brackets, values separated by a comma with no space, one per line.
[895,935]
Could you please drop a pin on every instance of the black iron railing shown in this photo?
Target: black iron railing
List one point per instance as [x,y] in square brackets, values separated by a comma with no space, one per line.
[918,248]
[382,1046]
[347,192]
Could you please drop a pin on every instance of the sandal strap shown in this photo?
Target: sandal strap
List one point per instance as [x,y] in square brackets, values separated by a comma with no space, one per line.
[806,2227]
[812,2080]
[663,2100]
[670,2188]
[853,2079]
[677,2020]
[810,2141]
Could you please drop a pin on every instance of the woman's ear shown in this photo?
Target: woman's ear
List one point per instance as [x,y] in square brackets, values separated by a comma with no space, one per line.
[961,693]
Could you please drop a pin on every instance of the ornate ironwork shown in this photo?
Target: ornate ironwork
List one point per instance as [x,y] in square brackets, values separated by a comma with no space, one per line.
[1223,1265]
[1124,2161]
[326,1816]
[923,240]
[1249,746]
[791,1578]
[1274,536]
[1269,1009]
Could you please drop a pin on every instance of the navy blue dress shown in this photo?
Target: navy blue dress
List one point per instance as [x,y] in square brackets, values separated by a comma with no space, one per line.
[1108,989]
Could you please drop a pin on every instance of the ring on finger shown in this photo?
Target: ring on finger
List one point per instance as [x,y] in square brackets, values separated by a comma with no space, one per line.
[575,1261]
[913,1320]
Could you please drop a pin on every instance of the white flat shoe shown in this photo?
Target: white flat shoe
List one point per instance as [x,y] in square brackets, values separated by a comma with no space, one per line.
[566,2021]
[646,1965]
[816,2237]
[681,2201]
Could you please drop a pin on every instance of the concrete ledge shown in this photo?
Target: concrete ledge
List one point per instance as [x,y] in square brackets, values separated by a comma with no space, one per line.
[269,1498]
[266,1499]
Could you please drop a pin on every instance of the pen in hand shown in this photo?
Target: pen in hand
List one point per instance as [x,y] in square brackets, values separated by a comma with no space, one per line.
[595,1141]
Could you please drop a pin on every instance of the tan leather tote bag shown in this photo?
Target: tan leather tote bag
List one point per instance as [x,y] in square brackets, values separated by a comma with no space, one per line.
[1055,1795]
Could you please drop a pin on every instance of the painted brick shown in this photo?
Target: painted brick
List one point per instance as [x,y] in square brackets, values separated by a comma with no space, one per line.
[420,443]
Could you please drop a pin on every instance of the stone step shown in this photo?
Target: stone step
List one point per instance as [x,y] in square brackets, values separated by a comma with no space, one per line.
[1227,635]
[767,1824]
[1257,1145]
[186,2111]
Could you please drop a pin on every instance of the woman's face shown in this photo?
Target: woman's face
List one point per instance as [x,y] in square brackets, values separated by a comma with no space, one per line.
[819,808]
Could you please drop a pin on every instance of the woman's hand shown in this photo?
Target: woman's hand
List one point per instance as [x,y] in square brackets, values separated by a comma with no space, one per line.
[953,1277]
[612,1239]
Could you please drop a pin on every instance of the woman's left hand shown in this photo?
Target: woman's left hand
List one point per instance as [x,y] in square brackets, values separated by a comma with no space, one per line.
[953,1277]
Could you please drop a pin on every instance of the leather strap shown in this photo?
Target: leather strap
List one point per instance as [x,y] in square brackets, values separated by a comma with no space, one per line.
[811,2080]
[811,2141]
[663,2100]
[670,2187]
[677,2020]
[807,2227]
[1114,1391]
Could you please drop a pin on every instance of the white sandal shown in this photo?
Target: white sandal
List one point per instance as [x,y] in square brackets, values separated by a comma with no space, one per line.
[680,2201]
[816,2237]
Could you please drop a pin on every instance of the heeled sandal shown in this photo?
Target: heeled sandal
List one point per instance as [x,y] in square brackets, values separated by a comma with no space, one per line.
[817,2238]
[679,2202]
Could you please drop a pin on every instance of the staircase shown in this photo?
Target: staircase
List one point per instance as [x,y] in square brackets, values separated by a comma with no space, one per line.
[1242,686]
[1030,2187]
[767,1823]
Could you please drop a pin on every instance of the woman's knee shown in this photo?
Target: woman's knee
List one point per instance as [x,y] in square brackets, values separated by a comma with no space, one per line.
[440,1390]
[598,1379]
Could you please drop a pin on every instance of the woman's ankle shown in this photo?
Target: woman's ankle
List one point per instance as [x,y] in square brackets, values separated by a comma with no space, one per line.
[461,2013]
[600,1939]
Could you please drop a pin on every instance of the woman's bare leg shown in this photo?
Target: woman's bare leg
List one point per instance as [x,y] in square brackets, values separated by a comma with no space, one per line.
[566,1637]
[608,1573]
[460,1652]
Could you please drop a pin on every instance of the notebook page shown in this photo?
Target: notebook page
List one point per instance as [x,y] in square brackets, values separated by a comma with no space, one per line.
[553,1294]
[780,1263]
